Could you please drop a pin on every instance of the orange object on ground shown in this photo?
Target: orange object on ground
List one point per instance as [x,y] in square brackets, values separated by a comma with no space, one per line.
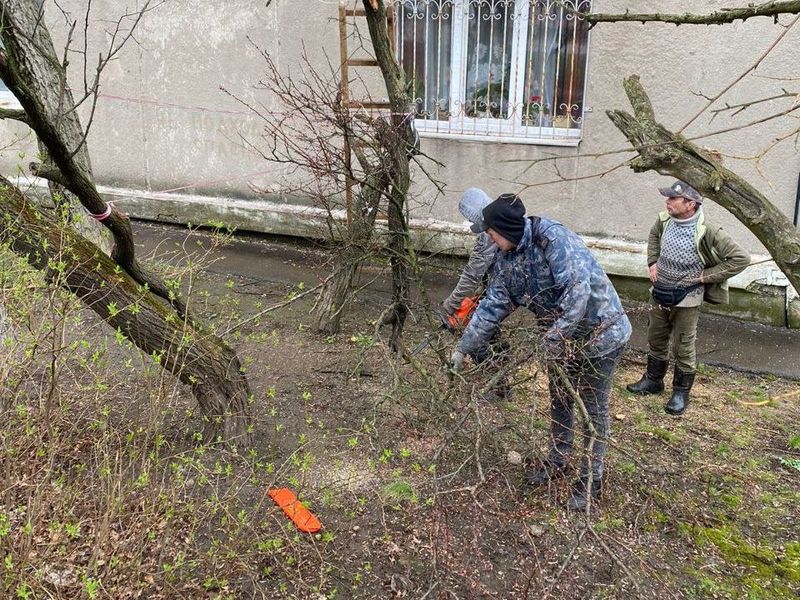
[303,518]
[460,318]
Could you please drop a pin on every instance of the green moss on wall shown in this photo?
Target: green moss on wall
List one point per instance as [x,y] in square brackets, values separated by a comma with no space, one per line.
[769,309]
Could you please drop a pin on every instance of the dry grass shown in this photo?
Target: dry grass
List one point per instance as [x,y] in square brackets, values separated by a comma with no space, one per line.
[107,494]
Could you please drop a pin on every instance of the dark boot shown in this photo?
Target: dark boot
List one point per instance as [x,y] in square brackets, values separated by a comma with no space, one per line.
[682,382]
[499,392]
[652,382]
[547,470]
[579,497]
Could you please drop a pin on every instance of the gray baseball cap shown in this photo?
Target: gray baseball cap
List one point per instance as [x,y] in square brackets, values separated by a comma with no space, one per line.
[683,190]
[472,203]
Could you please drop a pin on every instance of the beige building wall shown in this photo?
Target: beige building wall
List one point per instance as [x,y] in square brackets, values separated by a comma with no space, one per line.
[169,124]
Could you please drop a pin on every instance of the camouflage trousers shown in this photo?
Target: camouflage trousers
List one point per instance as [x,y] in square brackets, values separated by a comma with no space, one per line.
[678,325]
[591,379]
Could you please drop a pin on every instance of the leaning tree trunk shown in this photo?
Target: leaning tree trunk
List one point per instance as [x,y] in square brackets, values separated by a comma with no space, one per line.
[31,70]
[198,359]
[672,154]
[396,145]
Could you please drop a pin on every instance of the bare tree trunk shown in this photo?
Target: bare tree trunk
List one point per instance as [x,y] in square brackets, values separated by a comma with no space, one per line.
[31,69]
[198,359]
[669,153]
[334,293]
[396,144]
[332,298]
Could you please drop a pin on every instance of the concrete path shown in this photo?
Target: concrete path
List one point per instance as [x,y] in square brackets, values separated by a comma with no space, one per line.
[741,345]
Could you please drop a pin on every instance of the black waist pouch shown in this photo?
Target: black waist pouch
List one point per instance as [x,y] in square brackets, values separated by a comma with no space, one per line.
[671,296]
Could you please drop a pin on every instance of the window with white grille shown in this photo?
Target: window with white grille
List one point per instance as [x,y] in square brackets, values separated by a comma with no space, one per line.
[507,70]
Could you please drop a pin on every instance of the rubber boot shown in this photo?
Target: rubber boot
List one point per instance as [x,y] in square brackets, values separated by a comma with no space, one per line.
[652,382]
[499,392]
[547,470]
[579,497]
[682,382]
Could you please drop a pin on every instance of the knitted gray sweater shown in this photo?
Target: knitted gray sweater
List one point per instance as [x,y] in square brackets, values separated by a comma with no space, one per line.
[679,264]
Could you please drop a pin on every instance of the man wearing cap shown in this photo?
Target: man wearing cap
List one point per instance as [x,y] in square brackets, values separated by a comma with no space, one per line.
[548,269]
[475,278]
[690,261]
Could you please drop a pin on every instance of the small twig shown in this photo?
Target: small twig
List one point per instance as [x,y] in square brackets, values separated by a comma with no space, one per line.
[752,68]
[615,558]
[565,563]
[744,105]
[589,425]
[272,308]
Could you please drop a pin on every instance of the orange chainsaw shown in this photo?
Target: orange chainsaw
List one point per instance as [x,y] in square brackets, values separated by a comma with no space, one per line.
[460,318]
[454,323]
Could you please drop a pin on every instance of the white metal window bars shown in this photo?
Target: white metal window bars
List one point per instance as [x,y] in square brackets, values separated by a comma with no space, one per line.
[496,70]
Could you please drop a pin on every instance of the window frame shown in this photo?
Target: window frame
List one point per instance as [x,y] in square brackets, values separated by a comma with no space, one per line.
[459,126]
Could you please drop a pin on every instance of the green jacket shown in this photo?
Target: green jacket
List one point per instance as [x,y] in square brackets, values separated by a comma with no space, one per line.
[722,257]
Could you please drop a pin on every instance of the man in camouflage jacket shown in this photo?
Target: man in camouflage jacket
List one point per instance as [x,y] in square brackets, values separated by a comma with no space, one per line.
[548,269]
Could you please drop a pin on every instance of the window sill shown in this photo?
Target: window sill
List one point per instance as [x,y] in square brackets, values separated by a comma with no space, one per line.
[570,141]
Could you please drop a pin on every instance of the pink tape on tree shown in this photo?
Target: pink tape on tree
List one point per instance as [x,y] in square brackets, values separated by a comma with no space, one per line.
[105,214]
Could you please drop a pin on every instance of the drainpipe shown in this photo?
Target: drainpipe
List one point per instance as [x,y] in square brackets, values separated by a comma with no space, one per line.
[796,219]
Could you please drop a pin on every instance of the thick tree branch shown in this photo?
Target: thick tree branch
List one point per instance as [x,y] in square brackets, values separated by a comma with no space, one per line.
[14,114]
[200,360]
[672,154]
[48,172]
[719,17]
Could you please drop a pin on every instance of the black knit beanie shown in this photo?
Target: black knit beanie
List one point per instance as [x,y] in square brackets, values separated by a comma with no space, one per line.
[506,216]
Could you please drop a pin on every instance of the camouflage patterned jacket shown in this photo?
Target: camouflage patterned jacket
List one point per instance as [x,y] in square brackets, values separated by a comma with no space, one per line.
[556,277]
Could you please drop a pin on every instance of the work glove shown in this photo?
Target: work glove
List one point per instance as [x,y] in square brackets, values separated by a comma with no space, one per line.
[447,308]
[456,361]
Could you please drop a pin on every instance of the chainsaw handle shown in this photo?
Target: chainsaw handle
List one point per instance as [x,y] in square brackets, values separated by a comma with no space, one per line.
[462,315]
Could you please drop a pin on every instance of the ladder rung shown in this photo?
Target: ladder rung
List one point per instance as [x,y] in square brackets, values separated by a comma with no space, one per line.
[360,12]
[362,62]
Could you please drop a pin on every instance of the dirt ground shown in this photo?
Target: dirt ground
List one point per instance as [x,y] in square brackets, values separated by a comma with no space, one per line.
[107,494]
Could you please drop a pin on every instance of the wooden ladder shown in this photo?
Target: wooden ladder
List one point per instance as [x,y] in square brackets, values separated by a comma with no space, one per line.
[347,103]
